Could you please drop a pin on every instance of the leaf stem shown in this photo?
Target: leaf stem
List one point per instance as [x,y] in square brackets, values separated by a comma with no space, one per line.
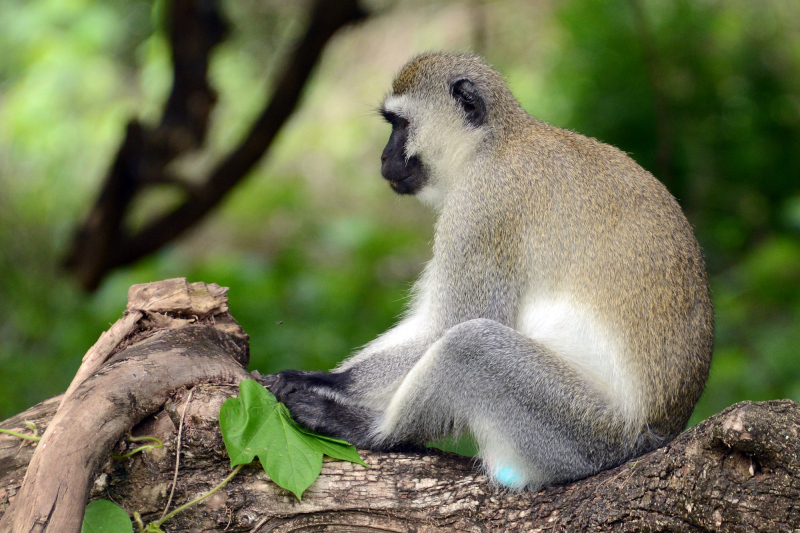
[198,500]
[145,448]
[177,454]
[34,438]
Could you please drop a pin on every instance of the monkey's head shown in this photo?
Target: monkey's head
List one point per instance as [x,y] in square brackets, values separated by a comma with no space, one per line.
[444,109]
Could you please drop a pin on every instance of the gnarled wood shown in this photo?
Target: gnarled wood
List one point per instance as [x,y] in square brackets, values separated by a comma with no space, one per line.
[737,471]
[143,361]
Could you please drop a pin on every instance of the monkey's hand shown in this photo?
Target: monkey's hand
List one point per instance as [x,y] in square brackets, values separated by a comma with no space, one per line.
[289,381]
[315,400]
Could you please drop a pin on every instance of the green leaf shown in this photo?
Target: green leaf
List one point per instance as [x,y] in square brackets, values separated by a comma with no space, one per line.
[103,516]
[335,448]
[256,425]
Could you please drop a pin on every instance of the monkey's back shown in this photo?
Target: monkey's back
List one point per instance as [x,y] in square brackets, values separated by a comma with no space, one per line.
[619,247]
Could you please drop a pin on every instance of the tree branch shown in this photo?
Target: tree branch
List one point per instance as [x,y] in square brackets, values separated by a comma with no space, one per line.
[737,471]
[158,354]
[103,243]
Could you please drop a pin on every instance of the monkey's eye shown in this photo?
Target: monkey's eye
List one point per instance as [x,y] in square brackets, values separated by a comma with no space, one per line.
[394,119]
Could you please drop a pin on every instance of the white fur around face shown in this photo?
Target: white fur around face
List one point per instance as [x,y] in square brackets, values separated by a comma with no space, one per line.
[439,136]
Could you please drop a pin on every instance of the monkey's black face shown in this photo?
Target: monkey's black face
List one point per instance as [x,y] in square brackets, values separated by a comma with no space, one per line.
[405,175]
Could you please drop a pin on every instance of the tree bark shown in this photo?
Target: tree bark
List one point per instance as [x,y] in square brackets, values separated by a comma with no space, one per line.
[737,471]
[174,335]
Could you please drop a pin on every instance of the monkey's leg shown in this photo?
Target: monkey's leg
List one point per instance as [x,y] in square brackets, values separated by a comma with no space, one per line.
[536,420]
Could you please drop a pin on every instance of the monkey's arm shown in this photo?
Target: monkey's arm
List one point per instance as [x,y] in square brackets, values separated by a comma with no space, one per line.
[347,403]
[316,400]
[351,402]
[536,419]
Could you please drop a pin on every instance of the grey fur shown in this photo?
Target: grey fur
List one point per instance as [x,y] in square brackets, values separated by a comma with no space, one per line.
[565,318]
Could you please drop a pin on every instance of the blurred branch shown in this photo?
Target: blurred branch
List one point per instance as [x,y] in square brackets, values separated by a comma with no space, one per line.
[103,243]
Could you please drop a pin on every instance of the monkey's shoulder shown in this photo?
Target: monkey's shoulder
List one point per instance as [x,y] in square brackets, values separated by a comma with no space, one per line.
[540,156]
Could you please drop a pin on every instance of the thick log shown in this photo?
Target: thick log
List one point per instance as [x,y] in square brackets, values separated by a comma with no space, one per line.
[128,375]
[737,471]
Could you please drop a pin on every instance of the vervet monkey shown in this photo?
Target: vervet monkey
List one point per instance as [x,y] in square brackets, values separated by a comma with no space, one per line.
[564,320]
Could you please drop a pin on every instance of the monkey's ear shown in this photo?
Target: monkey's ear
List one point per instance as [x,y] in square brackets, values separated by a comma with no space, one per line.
[470,100]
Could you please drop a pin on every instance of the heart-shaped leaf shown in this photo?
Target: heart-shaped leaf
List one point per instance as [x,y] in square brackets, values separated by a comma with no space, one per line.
[256,425]
[103,516]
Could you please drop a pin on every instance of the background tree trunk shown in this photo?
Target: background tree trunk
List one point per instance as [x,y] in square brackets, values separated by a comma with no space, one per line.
[737,471]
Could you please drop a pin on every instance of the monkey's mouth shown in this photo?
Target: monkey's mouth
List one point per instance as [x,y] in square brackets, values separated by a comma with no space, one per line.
[406,185]
[407,178]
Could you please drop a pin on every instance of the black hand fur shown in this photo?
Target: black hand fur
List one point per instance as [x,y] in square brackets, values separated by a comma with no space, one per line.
[307,395]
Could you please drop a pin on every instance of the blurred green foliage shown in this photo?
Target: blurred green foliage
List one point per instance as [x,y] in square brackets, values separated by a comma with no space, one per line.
[317,251]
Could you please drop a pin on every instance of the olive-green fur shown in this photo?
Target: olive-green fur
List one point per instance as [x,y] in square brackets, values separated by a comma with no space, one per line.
[564,320]
[548,202]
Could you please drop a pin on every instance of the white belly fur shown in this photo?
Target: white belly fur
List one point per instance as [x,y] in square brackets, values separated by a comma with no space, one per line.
[588,345]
